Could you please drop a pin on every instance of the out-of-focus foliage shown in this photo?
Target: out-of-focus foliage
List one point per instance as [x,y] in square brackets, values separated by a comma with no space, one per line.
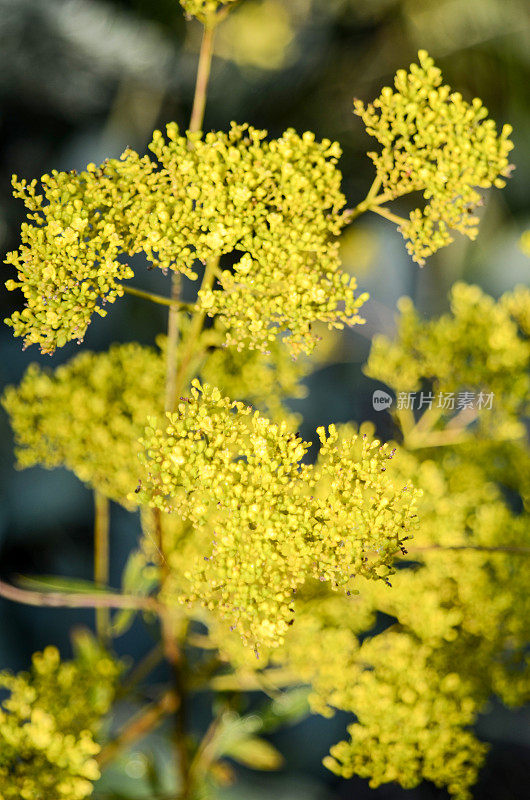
[204,9]
[88,415]
[437,143]
[49,721]
[260,35]
[480,346]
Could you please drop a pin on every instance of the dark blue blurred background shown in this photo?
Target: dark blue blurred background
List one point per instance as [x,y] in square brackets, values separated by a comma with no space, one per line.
[82,79]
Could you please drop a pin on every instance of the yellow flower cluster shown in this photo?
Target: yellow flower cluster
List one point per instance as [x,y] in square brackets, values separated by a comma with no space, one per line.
[412,725]
[276,521]
[445,599]
[435,142]
[477,346]
[88,415]
[204,10]
[47,726]
[461,629]
[277,202]
[462,616]
[68,265]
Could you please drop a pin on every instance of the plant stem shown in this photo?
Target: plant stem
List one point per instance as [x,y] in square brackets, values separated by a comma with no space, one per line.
[146,665]
[195,328]
[384,212]
[172,344]
[176,375]
[78,599]
[139,726]
[477,547]
[157,298]
[203,77]
[101,561]
[369,203]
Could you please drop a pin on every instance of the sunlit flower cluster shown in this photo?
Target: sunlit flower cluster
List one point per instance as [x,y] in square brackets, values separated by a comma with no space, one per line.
[276,521]
[435,142]
[412,725]
[277,203]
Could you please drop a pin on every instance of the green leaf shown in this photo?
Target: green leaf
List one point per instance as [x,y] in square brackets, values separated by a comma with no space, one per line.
[287,709]
[58,583]
[255,753]
[122,621]
[138,577]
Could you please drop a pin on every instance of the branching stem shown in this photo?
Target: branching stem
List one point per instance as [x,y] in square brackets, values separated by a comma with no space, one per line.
[157,298]
[197,321]
[101,561]
[78,599]
[140,725]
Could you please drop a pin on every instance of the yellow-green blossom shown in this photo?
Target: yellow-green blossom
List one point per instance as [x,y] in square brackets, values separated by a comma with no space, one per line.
[435,142]
[277,203]
[276,521]
[266,380]
[48,723]
[413,724]
[88,415]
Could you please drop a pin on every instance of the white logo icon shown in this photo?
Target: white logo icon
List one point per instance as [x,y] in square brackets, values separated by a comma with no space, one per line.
[381,400]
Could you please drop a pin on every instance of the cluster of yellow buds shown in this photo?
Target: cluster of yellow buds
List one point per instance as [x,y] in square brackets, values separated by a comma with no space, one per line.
[264,380]
[48,724]
[279,202]
[412,725]
[434,142]
[276,521]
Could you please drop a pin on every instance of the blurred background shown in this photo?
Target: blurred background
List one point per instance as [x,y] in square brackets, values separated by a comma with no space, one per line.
[82,79]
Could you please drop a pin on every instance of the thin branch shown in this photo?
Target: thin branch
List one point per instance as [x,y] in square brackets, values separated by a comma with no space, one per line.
[157,298]
[78,599]
[173,330]
[197,322]
[384,212]
[139,726]
[101,561]
[141,670]
[203,77]
[477,547]
[372,199]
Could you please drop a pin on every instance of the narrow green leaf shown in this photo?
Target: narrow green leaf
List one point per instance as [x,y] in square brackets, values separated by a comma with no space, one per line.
[58,583]
[255,753]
